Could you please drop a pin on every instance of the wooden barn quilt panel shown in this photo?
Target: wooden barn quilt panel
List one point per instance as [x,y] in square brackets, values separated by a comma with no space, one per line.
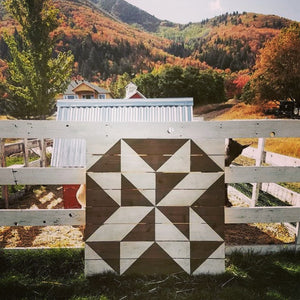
[156,206]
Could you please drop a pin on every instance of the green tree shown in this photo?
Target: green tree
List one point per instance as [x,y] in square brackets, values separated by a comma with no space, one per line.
[173,81]
[117,87]
[277,74]
[170,82]
[147,84]
[36,73]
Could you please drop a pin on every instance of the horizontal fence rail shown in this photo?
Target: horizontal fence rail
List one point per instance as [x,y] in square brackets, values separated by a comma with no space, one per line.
[37,176]
[275,214]
[58,217]
[262,174]
[34,176]
[205,129]
[42,217]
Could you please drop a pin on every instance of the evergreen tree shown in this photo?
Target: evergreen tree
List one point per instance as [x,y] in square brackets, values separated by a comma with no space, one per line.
[35,74]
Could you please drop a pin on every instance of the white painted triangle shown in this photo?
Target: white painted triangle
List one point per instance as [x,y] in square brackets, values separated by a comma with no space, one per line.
[115,195]
[110,183]
[179,251]
[198,180]
[91,159]
[94,267]
[165,230]
[219,160]
[200,230]
[111,232]
[181,197]
[211,146]
[89,253]
[219,252]
[150,195]
[130,252]
[145,183]
[107,181]
[120,223]
[211,266]
[128,215]
[131,161]
[180,161]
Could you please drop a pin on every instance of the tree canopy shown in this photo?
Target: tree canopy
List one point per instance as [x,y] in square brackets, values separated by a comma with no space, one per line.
[36,73]
[277,74]
[205,86]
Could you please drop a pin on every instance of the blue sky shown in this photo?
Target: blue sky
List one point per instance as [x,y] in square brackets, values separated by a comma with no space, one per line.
[185,11]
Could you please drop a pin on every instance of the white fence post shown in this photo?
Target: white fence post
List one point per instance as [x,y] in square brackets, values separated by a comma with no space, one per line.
[259,160]
[297,241]
[4,188]
[42,152]
[25,150]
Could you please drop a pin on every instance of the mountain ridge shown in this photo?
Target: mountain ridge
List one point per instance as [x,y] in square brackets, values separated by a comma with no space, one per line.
[104,45]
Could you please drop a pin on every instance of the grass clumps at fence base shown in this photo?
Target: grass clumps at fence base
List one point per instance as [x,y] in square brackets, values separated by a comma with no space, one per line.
[58,274]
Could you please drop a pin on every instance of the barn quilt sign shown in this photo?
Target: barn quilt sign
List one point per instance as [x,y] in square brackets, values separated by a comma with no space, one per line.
[156,206]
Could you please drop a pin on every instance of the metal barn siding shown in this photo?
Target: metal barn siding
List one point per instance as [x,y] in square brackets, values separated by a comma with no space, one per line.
[71,152]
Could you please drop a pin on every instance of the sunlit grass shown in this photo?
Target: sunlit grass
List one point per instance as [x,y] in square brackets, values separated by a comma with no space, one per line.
[243,111]
[59,274]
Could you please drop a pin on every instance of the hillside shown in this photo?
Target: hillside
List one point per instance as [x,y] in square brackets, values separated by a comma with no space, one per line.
[231,40]
[227,41]
[105,44]
[129,14]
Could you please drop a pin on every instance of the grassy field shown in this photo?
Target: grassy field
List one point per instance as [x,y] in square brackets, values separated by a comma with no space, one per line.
[285,146]
[58,274]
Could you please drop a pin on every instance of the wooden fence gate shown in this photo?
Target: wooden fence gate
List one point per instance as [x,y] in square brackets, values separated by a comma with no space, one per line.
[155,191]
[155,206]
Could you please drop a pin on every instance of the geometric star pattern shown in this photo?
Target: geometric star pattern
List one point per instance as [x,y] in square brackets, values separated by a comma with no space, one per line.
[155,206]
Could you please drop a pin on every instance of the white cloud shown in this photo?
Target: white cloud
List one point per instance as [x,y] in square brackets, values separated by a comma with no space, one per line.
[215,5]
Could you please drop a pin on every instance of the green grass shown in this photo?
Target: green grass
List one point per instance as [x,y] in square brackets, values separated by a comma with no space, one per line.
[58,274]
[19,160]
[264,198]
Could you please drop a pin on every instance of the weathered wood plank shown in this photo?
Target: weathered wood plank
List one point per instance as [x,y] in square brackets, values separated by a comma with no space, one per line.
[33,176]
[41,217]
[105,131]
[236,215]
[241,215]
[272,158]
[261,174]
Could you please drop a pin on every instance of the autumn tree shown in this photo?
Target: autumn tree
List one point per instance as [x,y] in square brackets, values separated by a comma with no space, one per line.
[277,74]
[36,73]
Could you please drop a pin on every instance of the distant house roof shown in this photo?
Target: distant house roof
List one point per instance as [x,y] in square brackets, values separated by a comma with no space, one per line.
[71,152]
[74,84]
[132,92]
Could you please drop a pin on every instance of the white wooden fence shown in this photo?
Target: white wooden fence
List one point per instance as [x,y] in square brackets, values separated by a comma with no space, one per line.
[196,130]
[273,159]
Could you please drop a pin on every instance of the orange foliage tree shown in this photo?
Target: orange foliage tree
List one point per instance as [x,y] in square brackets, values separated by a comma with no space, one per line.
[277,74]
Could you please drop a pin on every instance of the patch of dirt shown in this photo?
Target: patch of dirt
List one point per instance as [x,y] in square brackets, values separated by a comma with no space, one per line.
[257,234]
[211,111]
[48,197]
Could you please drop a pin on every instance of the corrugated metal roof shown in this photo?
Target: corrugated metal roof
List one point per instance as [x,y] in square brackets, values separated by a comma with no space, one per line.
[71,152]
